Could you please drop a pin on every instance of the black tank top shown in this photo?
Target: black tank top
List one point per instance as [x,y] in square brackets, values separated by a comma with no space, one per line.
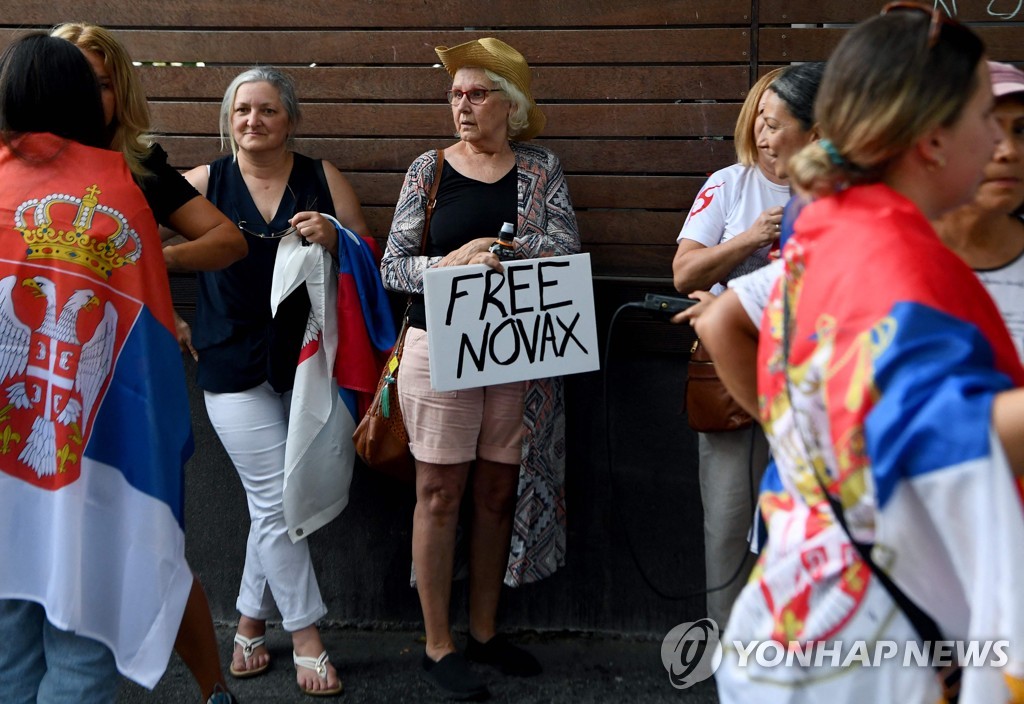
[466,209]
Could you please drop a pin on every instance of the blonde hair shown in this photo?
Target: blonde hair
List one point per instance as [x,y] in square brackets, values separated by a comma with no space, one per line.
[884,87]
[744,138]
[130,126]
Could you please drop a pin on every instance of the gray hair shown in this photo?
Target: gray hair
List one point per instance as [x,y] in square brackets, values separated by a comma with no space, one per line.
[261,74]
[519,119]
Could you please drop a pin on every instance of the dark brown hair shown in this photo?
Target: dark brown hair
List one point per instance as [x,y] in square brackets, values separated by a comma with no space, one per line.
[47,85]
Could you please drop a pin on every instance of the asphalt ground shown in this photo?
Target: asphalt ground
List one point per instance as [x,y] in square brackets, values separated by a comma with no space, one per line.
[383,666]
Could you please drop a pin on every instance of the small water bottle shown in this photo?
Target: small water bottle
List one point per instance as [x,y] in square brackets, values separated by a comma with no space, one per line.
[503,247]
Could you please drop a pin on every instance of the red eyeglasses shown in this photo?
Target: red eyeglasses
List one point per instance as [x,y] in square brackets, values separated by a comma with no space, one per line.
[476,96]
[938,18]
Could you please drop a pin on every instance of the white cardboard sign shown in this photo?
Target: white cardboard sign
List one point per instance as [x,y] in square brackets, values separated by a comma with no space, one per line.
[534,320]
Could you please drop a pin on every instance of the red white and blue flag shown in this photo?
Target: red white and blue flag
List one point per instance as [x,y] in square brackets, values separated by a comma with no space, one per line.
[896,354]
[94,414]
[349,324]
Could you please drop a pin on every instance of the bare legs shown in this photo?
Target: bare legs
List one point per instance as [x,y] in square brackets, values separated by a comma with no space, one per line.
[439,490]
[196,643]
[494,501]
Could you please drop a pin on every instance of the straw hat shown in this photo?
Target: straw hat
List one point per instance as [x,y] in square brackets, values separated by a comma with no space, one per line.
[1006,79]
[497,56]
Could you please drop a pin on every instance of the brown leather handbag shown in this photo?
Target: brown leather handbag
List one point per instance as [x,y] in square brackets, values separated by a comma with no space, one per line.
[709,407]
[380,438]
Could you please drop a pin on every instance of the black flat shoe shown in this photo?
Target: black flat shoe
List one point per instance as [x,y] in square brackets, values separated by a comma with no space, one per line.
[510,659]
[451,675]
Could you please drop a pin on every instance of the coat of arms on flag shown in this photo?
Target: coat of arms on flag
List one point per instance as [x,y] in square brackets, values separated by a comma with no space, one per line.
[94,414]
[58,332]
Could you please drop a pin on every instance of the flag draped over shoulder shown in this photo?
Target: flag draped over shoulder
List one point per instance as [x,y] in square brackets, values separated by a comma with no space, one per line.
[896,353]
[94,414]
[340,336]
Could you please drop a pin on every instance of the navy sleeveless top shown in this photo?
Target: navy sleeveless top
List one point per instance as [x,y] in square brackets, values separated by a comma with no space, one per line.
[240,344]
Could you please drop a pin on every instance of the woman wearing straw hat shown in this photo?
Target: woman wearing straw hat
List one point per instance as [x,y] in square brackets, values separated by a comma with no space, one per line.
[508,438]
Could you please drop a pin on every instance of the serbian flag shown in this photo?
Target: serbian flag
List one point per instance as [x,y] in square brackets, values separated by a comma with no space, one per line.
[896,354]
[94,414]
[366,328]
[319,452]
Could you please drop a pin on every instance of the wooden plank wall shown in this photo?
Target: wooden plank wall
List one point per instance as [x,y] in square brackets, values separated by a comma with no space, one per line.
[641,97]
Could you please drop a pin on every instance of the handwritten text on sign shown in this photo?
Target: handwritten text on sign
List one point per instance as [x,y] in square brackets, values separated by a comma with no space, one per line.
[534,320]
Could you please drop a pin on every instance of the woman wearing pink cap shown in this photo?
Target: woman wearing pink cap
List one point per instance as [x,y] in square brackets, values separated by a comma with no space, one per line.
[988,232]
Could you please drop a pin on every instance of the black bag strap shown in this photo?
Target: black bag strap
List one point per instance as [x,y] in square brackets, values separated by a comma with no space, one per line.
[927,630]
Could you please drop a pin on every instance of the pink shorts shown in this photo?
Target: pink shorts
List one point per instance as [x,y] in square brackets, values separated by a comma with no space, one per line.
[451,427]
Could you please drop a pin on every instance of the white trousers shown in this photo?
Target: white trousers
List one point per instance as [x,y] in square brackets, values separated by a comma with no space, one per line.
[725,490]
[253,427]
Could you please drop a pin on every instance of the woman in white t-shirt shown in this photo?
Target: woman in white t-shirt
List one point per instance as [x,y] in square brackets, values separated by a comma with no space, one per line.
[735,218]
[730,231]
[987,233]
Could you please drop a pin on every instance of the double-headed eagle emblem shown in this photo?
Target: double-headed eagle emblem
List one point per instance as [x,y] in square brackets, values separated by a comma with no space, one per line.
[51,374]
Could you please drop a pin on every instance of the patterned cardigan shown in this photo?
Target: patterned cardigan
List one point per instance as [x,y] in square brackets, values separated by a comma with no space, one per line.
[546,227]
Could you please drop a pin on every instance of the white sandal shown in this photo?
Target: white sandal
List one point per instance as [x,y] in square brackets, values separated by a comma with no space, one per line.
[248,646]
[319,666]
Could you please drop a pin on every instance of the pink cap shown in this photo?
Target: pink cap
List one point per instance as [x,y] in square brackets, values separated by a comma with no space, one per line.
[1006,79]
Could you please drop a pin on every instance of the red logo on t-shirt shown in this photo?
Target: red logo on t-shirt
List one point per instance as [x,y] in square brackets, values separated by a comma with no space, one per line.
[704,198]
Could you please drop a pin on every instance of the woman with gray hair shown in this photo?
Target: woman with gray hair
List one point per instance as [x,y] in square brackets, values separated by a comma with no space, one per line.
[506,441]
[248,355]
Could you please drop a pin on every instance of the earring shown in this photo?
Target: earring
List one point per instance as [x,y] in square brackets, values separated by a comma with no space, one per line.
[937,164]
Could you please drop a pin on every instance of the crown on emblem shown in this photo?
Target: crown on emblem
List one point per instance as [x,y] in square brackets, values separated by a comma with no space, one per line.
[99,237]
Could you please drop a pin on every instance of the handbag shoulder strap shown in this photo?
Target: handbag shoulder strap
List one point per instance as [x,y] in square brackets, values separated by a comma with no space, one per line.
[431,200]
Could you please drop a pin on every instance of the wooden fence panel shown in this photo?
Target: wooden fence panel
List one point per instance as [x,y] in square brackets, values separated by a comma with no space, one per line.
[846,12]
[802,36]
[652,156]
[384,47]
[641,98]
[623,120]
[780,45]
[360,83]
[330,14]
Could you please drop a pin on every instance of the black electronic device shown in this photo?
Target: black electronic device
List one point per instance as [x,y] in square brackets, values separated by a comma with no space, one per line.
[669,305]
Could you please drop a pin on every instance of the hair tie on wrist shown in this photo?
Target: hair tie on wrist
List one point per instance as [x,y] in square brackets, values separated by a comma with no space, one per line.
[833,154]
